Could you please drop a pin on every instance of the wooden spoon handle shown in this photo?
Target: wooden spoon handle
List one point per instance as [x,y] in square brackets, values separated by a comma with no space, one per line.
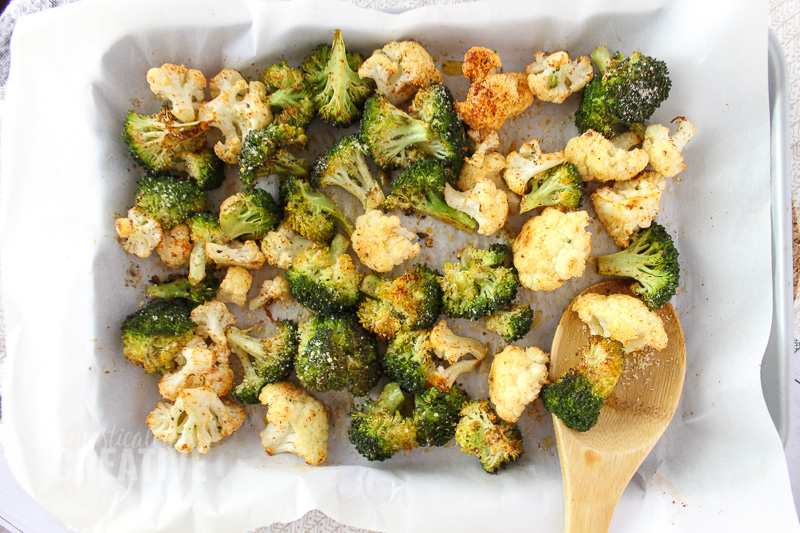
[593,482]
[589,517]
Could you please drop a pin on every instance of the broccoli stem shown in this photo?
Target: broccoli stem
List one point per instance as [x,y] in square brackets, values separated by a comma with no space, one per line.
[247,364]
[176,289]
[390,399]
[251,345]
[601,57]
[629,262]
[546,195]
[370,285]
[435,206]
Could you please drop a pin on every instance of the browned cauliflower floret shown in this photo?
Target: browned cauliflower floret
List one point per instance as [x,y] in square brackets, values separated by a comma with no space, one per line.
[628,205]
[234,286]
[551,248]
[528,162]
[272,290]
[665,151]
[197,419]
[516,377]
[601,159]
[281,246]
[201,369]
[381,242]
[484,202]
[237,108]
[492,98]
[235,253]
[175,247]
[296,422]
[452,348]
[183,88]
[622,318]
[485,161]
[212,319]
[554,77]
[399,69]
[138,233]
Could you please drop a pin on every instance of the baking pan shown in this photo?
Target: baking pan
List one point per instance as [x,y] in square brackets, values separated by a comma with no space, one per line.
[776,369]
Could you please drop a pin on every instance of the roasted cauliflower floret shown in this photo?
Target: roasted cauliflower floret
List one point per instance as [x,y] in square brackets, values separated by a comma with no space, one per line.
[235,254]
[183,88]
[492,98]
[212,319]
[628,205]
[622,318]
[281,246]
[272,290]
[665,151]
[175,247]
[399,69]
[138,233]
[197,419]
[381,242]
[522,166]
[515,379]
[552,248]
[238,107]
[485,161]
[484,202]
[601,159]
[234,286]
[201,369]
[554,77]
[296,422]
[452,348]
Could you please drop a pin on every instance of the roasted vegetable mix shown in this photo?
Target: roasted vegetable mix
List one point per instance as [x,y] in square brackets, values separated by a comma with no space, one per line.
[374,322]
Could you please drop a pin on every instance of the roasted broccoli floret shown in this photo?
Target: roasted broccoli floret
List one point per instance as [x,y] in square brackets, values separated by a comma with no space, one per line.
[198,293]
[652,260]
[311,213]
[335,353]
[392,135]
[338,92]
[421,187]
[436,414]
[479,284]
[377,428]
[289,95]
[264,153]
[408,360]
[264,360]
[434,106]
[511,323]
[431,128]
[325,279]
[203,227]
[579,394]
[167,199]
[627,92]
[156,334]
[343,165]
[560,187]
[157,141]
[249,214]
[480,432]
[203,167]
[412,301]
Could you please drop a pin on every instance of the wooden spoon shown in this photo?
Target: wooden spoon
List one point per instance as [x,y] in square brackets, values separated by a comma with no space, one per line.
[598,464]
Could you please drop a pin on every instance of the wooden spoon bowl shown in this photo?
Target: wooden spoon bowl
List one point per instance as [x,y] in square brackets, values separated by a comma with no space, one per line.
[598,464]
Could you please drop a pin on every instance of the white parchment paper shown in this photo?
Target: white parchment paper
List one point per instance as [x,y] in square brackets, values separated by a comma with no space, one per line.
[74,409]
